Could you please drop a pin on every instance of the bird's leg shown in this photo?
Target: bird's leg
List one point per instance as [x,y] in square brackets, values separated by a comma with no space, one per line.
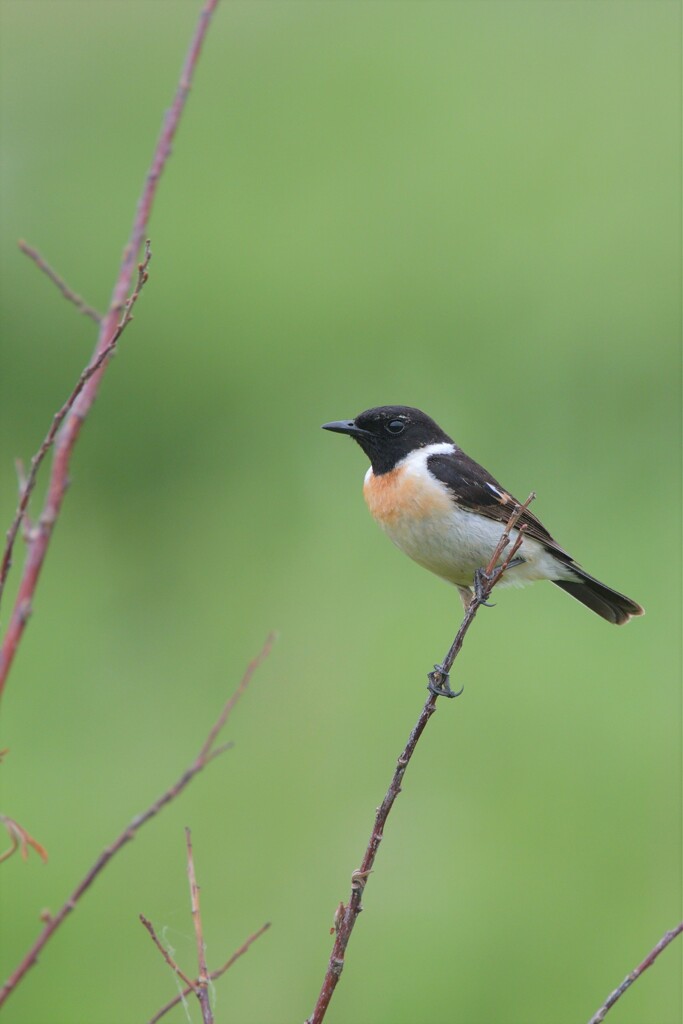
[439,683]
[439,680]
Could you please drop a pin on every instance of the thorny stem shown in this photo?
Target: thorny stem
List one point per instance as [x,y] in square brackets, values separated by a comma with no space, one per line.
[347,916]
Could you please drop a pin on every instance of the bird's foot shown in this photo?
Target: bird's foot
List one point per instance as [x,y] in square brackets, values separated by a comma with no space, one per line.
[439,683]
[481,578]
[514,563]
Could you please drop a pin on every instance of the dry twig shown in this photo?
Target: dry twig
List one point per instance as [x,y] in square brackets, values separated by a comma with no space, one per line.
[80,304]
[73,421]
[635,974]
[200,987]
[165,953]
[213,976]
[202,983]
[205,756]
[347,915]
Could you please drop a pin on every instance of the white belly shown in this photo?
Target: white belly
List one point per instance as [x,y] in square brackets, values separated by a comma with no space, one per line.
[417,512]
[458,543]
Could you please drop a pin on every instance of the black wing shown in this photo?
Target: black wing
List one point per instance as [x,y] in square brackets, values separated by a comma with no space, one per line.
[476,490]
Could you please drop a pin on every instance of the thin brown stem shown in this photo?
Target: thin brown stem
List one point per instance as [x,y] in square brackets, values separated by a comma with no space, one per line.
[246,679]
[202,983]
[635,974]
[213,976]
[129,833]
[166,955]
[26,525]
[68,293]
[71,426]
[347,915]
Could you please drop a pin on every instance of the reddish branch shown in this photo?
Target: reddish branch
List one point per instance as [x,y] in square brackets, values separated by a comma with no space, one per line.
[71,426]
[80,304]
[213,976]
[27,483]
[635,974]
[346,916]
[207,753]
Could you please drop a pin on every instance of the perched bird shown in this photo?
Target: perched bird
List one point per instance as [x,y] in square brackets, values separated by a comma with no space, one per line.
[447,513]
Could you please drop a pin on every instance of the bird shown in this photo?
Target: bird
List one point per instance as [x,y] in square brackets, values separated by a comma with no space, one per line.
[447,512]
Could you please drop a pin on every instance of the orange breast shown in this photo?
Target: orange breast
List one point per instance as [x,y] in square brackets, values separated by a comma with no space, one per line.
[399,493]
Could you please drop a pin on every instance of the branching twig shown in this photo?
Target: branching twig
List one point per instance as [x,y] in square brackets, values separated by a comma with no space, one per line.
[347,916]
[166,955]
[213,976]
[71,427]
[80,304]
[202,983]
[27,483]
[200,987]
[203,758]
[635,974]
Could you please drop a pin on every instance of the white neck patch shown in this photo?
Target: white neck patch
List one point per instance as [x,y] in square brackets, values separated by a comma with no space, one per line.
[416,461]
[440,448]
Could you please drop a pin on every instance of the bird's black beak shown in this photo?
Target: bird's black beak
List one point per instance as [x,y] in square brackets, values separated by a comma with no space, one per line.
[345,427]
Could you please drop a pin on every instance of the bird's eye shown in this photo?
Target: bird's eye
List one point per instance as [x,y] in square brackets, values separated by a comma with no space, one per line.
[396,427]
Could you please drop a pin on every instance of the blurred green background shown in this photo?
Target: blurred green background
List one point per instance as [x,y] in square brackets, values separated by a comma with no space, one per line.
[469,207]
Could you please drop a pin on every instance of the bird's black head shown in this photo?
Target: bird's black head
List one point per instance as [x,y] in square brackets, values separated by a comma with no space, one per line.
[390,432]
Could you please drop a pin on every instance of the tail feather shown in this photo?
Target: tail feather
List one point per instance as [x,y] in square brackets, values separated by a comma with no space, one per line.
[604,601]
